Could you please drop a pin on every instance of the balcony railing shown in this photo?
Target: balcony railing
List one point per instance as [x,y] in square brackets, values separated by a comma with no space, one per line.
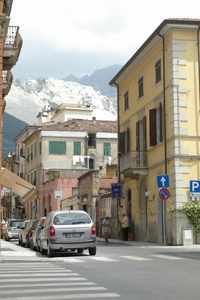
[136,162]
[11,39]
[7,7]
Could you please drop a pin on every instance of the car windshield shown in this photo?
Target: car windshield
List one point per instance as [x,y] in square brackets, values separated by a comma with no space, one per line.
[71,219]
[17,224]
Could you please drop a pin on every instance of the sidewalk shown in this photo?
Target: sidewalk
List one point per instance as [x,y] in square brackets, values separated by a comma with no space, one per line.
[140,244]
[10,251]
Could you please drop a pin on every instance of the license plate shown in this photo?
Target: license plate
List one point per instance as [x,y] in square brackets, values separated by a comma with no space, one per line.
[72,235]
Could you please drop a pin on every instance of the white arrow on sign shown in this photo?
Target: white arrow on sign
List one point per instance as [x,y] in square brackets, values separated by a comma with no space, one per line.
[163,180]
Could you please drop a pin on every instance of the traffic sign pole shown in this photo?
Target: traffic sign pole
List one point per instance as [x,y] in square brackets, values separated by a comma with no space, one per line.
[163,184]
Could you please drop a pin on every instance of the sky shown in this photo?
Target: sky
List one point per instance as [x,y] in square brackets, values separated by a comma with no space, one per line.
[63,37]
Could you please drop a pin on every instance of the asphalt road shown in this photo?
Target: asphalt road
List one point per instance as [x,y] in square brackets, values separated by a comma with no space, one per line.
[116,272]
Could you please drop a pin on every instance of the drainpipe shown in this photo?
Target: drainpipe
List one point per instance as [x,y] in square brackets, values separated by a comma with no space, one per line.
[118,151]
[164,138]
[118,129]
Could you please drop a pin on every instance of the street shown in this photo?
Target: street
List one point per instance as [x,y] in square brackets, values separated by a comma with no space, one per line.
[128,271]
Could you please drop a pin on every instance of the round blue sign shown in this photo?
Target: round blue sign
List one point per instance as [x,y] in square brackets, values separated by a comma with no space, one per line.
[164,194]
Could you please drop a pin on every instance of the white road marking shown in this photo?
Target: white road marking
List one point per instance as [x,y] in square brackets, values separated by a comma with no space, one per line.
[47,279]
[73,260]
[136,258]
[50,284]
[39,275]
[103,259]
[72,296]
[56,290]
[33,271]
[168,257]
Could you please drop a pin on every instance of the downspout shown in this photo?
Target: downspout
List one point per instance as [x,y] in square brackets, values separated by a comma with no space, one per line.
[118,153]
[118,129]
[164,231]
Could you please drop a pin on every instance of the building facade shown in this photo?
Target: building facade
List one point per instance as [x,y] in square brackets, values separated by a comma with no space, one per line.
[64,150]
[159,127]
[10,47]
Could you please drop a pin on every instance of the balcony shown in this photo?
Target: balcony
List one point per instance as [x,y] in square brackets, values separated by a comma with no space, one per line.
[12,47]
[7,7]
[134,164]
[80,161]
[7,82]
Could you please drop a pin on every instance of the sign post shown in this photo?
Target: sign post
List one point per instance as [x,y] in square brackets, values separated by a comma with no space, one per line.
[163,184]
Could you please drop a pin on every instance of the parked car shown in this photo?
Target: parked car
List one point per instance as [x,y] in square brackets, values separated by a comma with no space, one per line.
[35,237]
[25,231]
[12,229]
[68,230]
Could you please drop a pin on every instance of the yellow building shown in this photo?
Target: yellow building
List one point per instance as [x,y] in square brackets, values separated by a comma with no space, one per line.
[159,127]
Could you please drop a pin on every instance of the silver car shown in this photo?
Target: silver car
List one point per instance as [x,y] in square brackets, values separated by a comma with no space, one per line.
[68,230]
[13,228]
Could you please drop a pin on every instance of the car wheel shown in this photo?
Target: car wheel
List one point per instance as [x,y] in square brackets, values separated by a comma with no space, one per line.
[50,252]
[92,251]
[80,251]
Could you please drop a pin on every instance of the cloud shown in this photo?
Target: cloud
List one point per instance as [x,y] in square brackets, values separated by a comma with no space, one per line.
[105,29]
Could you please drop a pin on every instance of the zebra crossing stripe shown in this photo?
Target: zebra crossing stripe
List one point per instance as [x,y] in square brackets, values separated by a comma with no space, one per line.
[38,285]
[104,259]
[72,296]
[39,275]
[136,258]
[168,257]
[7,280]
[56,290]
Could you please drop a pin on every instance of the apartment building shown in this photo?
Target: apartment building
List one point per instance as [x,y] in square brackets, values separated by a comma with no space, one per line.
[62,151]
[10,47]
[159,127]
[64,112]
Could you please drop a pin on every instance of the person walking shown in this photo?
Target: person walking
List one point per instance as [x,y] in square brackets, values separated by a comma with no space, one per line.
[125,227]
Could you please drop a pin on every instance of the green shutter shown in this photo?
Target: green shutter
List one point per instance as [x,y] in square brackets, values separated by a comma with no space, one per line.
[77,148]
[107,149]
[57,148]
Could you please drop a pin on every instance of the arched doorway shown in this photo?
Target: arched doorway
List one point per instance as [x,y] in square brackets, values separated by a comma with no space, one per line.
[143,211]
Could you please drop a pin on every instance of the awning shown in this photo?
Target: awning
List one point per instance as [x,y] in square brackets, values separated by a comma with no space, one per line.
[18,185]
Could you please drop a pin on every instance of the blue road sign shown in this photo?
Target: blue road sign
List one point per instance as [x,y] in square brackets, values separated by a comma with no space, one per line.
[164,194]
[195,186]
[116,190]
[163,181]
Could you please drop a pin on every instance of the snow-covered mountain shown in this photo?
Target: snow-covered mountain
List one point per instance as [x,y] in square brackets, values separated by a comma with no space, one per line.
[26,99]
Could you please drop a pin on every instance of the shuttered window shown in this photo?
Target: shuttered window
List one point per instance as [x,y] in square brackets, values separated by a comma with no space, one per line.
[126,101]
[107,149]
[77,148]
[144,122]
[122,142]
[57,147]
[128,140]
[152,127]
[138,136]
[158,74]
[141,87]
[161,122]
